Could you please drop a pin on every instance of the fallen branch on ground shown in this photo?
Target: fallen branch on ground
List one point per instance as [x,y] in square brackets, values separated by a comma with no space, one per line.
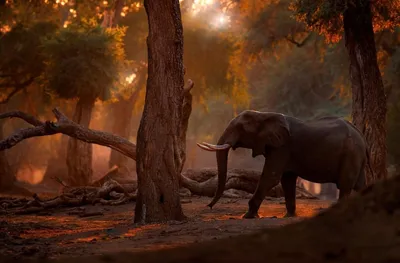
[110,193]
[204,182]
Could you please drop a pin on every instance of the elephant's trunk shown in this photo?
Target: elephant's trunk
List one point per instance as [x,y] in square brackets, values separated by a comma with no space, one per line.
[222,162]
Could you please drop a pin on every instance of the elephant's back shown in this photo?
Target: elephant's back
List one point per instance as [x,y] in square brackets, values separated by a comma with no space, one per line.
[323,127]
[318,147]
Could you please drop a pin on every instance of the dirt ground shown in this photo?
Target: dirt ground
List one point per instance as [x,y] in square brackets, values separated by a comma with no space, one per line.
[60,233]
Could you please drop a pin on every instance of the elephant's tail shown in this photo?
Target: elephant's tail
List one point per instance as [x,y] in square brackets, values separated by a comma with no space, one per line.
[361,181]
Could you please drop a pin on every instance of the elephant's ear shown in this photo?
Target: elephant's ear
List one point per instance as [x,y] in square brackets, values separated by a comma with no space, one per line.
[273,132]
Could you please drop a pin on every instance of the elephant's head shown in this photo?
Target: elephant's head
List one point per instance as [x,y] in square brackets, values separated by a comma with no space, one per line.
[258,131]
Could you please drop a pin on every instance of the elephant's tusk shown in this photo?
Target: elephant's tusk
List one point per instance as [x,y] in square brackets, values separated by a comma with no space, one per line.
[212,147]
[218,147]
[204,147]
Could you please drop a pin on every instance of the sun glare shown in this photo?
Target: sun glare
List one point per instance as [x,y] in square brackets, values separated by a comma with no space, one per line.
[130,78]
[221,20]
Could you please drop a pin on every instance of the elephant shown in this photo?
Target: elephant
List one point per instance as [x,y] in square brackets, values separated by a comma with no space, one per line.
[324,150]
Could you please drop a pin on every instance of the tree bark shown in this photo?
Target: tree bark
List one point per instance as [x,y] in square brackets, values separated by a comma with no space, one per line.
[7,176]
[368,95]
[159,152]
[79,154]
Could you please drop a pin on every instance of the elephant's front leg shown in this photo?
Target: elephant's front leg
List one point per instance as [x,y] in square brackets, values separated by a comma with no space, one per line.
[270,177]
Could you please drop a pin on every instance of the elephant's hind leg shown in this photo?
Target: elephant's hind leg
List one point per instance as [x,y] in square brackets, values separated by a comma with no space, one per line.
[288,182]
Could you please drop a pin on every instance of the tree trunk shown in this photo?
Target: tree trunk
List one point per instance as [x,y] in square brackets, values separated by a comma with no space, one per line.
[79,154]
[56,165]
[7,176]
[122,111]
[159,152]
[368,95]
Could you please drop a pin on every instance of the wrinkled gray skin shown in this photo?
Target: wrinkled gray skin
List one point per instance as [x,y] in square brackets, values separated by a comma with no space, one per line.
[325,150]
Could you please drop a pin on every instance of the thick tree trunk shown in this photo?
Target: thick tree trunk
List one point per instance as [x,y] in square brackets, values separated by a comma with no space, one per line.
[7,176]
[369,100]
[79,154]
[159,152]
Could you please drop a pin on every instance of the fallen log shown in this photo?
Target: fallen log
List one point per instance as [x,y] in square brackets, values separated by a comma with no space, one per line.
[203,182]
[110,193]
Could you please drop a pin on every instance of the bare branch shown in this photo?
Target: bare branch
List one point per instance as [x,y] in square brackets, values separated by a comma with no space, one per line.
[70,128]
[22,115]
[299,44]
[189,85]
[10,95]
[23,134]
[17,87]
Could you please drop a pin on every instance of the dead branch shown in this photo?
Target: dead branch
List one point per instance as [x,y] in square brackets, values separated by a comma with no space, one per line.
[204,183]
[22,115]
[67,127]
[110,193]
[109,175]
[298,44]
[16,88]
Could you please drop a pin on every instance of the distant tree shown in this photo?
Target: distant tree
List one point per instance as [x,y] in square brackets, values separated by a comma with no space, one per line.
[129,96]
[83,64]
[21,64]
[358,19]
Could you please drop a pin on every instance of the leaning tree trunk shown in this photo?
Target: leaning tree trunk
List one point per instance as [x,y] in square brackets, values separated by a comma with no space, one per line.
[79,154]
[159,146]
[7,176]
[369,100]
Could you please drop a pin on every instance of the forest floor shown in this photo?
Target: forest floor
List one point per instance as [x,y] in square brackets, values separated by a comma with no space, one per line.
[59,233]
